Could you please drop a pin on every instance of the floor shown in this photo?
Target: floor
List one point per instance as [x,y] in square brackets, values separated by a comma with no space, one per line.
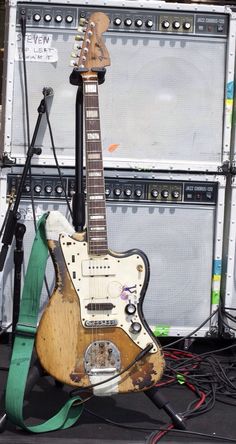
[117,419]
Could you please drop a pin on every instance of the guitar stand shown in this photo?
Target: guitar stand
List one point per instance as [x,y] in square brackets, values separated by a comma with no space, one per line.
[78,210]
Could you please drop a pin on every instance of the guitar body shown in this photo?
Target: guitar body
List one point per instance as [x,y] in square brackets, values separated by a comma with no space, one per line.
[85,335]
[93,334]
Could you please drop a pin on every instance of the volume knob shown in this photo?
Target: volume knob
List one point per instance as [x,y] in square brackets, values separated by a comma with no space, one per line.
[135,328]
[130,309]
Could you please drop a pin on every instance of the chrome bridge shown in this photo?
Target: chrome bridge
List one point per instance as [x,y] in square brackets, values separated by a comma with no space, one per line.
[102,357]
[102,323]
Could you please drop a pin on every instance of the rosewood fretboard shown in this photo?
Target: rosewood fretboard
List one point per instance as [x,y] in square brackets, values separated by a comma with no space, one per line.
[96,209]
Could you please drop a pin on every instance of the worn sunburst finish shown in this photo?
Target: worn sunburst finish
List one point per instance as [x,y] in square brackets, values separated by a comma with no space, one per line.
[62,340]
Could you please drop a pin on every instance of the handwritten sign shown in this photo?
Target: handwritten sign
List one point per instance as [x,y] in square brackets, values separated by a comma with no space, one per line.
[38,48]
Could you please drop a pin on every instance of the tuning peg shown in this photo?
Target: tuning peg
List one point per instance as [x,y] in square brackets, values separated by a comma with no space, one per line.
[77,47]
[80,29]
[79,37]
[74,55]
[83,21]
[73,63]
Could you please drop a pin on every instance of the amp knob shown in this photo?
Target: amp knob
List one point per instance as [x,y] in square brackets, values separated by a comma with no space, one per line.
[138,192]
[128,22]
[58,18]
[48,189]
[130,309]
[154,193]
[107,192]
[36,17]
[27,188]
[149,23]
[117,21]
[69,19]
[165,194]
[165,24]
[186,25]
[138,23]
[59,189]
[176,25]
[117,192]
[127,192]
[136,327]
[175,194]
[47,18]
[37,189]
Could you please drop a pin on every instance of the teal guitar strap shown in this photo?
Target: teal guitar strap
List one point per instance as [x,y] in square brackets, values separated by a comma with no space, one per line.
[24,343]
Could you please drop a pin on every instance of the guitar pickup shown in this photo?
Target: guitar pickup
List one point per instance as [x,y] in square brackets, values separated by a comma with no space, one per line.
[98,267]
[99,306]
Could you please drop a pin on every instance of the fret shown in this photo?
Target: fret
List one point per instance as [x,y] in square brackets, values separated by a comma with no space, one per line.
[96,212]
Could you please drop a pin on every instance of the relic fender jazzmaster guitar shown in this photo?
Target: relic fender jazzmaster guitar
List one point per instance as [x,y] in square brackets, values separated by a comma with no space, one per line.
[92,333]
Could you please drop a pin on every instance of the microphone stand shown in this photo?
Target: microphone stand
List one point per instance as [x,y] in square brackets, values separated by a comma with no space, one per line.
[12,227]
[78,209]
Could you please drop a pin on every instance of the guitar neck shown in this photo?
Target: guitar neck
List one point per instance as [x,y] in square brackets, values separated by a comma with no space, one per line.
[96,209]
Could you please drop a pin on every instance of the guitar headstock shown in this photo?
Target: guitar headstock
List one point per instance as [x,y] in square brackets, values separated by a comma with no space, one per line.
[93,52]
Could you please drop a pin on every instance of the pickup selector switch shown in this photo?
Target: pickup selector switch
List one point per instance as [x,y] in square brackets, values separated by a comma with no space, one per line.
[130,309]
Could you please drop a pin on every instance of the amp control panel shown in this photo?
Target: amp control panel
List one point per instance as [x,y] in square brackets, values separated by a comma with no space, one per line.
[120,189]
[125,19]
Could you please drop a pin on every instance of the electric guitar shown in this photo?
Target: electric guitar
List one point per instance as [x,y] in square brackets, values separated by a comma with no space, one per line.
[93,333]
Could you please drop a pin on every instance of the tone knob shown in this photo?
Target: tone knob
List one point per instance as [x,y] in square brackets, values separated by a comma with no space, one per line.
[58,18]
[135,328]
[154,193]
[127,192]
[176,25]
[36,17]
[165,24]
[117,21]
[37,188]
[186,25]
[138,192]
[149,23]
[48,189]
[165,194]
[130,309]
[59,189]
[117,191]
[138,23]
[47,18]
[128,22]
[175,194]
[69,19]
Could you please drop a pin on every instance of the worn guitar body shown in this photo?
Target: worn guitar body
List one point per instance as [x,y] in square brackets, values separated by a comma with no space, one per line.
[92,333]
[85,334]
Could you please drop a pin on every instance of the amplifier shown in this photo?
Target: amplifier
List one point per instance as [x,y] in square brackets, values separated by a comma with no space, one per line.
[176,219]
[168,87]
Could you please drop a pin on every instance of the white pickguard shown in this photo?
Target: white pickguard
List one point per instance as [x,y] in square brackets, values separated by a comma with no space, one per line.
[102,280]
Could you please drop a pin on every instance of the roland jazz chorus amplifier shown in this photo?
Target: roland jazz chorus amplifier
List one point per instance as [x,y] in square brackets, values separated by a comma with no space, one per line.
[176,219]
[167,102]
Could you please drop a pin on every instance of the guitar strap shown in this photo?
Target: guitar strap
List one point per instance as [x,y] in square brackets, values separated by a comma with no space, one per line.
[24,343]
